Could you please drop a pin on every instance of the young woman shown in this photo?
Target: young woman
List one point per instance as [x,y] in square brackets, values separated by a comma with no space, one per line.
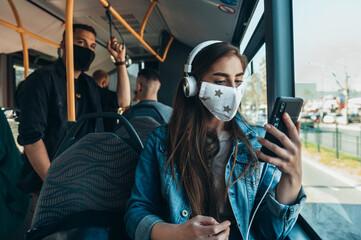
[200,176]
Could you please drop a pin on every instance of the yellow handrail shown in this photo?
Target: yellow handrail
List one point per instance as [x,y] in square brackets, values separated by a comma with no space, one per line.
[23,39]
[22,31]
[30,34]
[69,60]
[146,17]
[139,37]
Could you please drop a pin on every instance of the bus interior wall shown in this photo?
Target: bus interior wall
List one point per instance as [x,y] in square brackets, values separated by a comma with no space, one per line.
[7,80]
[171,71]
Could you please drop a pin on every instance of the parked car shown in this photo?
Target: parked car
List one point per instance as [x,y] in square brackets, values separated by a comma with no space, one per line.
[329,118]
[354,118]
[340,119]
[306,121]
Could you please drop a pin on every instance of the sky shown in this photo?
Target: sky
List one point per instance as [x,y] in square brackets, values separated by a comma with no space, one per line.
[327,38]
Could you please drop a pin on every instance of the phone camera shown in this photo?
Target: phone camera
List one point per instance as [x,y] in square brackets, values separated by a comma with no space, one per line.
[277,121]
[283,106]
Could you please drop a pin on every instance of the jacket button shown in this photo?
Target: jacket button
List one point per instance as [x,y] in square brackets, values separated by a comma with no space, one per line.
[184,213]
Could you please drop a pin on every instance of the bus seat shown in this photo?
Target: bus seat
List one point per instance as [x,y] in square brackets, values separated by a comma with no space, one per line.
[86,189]
[147,110]
[143,125]
[96,173]
[128,135]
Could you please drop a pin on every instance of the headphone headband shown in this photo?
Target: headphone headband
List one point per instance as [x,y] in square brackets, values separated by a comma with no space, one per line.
[195,51]
[190,87]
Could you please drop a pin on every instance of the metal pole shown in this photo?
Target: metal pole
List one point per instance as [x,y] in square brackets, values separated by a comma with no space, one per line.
[305,136]
[134,33]
[318,136]
[337,155]
[23,39]
[360,145]
[69,60]
[357,145]
[30,34]
[279,50]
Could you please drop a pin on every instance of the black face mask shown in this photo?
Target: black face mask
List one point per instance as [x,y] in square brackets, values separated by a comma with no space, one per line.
[83,57]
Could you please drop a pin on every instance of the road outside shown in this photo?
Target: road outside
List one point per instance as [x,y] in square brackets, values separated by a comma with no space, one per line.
[333,201]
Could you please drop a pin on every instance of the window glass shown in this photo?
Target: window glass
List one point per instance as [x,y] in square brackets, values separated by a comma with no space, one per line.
[254,101]
[19,73]
[132,73]
[252,25]
[327,65]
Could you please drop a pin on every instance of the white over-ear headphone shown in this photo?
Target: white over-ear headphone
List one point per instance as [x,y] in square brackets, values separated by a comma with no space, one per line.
[190,87]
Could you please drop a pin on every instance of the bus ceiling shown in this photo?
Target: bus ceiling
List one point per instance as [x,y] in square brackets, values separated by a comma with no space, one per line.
[189,21]
[144,21]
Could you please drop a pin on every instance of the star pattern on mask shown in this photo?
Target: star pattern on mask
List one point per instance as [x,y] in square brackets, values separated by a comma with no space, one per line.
[218,93]
[226,109]
[204,98]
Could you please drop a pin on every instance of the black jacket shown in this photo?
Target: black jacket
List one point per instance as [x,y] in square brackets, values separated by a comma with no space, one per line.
[43,104]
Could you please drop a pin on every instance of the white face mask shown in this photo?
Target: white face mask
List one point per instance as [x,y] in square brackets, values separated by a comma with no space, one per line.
[221,101]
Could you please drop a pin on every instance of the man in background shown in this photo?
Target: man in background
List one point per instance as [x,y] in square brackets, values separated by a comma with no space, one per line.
[147,86]
[101,78]
[135,98]
[43,103]
[109,98]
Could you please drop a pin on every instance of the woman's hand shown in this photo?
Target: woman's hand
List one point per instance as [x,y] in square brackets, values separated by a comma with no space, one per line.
[199,227]
[289,160]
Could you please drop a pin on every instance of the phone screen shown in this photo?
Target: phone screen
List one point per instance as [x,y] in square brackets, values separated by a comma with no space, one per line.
[292,106]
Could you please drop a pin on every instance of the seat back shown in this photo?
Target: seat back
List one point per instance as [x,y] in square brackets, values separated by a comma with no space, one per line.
[129,135]
[143,125]
[96,173]
[147,110]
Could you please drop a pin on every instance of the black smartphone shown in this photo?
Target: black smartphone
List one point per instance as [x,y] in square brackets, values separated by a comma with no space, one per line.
[292,106]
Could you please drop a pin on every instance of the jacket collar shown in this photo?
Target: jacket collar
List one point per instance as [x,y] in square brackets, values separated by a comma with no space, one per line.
[61,69]
[244,126]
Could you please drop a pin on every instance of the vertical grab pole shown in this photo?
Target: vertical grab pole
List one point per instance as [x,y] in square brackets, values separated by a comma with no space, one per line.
[25,55]
[23,39]
[278,15]
[69,60]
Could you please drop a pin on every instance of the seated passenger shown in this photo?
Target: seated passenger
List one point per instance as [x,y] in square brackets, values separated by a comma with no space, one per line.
[135,98]
[201,176]
[147,85]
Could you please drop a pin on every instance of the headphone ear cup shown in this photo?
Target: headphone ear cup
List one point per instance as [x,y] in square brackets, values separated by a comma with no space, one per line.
[190,87]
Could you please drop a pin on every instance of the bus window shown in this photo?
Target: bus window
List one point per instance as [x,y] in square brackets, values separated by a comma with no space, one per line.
[19,74]
[327,77]
[254,104]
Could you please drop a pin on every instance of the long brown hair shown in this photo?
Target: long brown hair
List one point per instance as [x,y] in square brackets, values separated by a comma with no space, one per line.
[188,137]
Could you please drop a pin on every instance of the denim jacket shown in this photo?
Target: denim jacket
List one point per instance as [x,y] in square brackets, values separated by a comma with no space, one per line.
[156,198]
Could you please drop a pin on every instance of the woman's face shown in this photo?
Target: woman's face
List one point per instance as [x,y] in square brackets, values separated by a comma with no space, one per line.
[227,71]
